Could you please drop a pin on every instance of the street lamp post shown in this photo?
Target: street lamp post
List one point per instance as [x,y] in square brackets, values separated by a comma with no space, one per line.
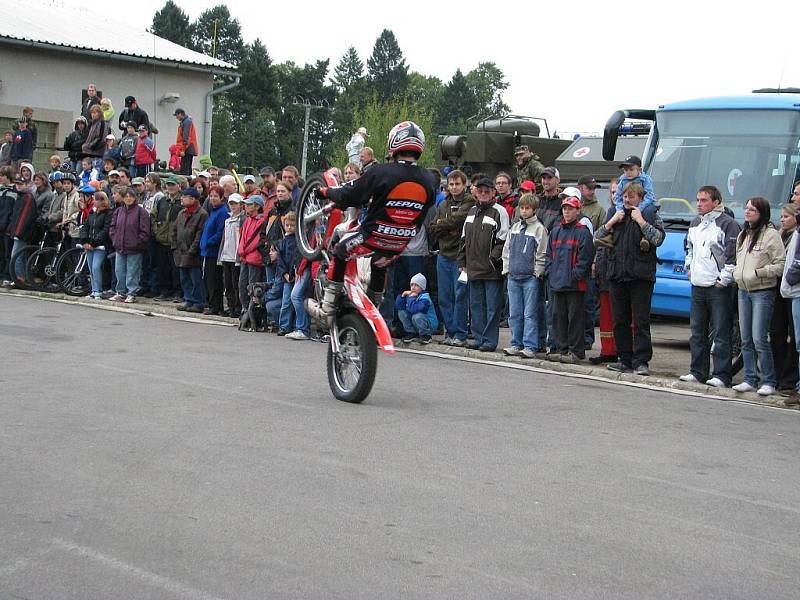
[308,104]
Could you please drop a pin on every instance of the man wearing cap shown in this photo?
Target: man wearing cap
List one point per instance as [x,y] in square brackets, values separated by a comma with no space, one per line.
[187,232]
[250,188]
[355,145]
[163,214]
[570,253]
[250,247]
[22,223]
[133,115]
[186,140]
[481,257]
[632,173]
[145,154]
[549,214]
[528,166]
[113,180]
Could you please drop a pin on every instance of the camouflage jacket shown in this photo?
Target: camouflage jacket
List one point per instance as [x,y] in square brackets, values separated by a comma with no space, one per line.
[531,170]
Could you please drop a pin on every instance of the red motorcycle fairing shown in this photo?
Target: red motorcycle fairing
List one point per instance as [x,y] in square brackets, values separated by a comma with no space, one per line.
[358,296]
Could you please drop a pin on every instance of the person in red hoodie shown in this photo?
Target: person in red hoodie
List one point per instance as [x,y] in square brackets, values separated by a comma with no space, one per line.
[145,153]
[250,247]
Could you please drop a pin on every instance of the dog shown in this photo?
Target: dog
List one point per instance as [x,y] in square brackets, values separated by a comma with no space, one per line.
[254,318]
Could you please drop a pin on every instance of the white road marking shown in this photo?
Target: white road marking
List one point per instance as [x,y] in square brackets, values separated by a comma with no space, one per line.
[169,585]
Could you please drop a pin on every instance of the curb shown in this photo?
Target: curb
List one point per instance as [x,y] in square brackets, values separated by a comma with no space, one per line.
[652,382]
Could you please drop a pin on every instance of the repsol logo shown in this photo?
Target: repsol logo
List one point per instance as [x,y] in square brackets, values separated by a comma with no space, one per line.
[405,204]
[398,231]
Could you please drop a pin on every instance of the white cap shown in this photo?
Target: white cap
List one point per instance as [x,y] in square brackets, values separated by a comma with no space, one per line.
[420,280]
[570,192]
[249,178]
[235,198]
[205,174]
[362,130]
[113,172]
[111,136]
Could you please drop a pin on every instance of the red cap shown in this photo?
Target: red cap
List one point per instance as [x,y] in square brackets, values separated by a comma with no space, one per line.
[571,201]
[528,186]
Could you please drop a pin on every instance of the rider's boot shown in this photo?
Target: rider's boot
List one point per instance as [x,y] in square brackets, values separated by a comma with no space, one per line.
[322,312]
[375,297]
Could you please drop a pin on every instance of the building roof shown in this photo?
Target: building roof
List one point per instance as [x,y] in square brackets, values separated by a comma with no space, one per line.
[787,101]
[88,32]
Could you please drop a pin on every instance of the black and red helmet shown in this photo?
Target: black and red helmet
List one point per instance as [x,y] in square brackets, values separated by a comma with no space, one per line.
[406,137]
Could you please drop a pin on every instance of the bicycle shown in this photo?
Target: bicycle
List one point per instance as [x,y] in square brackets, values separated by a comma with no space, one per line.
[72,272]
[40,268]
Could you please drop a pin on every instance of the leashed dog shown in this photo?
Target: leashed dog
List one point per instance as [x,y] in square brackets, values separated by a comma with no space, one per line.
[255,317]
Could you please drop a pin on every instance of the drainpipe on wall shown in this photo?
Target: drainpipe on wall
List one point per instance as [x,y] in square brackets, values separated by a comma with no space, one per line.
[209,110]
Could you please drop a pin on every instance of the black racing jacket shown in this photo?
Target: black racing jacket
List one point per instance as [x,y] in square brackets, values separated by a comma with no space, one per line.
[402,193]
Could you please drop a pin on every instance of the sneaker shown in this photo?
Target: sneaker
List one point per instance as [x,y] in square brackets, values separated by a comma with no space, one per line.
[471,346]
[107,295]
[642,369]
[161,297]
[620,367]
[744,387]
[129,299]
[424,339]
[456,343]
[195,309]
[486,349]
[785,392]
[689,378]
[183,307]
[117,298]
[527,353]
[282,332]
[568,358]
[553,356]
[177,299]
[541,355]
[766,390]
[447,341]
[297,335]
[6,282]
[792,400]
[512,351]
[716,382]
[409,337]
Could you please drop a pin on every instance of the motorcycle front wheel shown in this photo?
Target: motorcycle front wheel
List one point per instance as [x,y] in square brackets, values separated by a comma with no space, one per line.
[351,370]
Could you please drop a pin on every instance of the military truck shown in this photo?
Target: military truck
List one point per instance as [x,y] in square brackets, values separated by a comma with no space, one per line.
[489,148]
[584,156]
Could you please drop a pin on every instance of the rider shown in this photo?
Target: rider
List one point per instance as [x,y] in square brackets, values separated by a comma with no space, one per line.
[402,193]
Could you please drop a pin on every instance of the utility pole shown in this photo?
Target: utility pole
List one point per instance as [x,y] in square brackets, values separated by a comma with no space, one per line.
[308,104]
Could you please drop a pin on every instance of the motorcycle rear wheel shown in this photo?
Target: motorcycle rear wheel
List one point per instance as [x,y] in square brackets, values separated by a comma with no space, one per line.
[351,372]
[311,234]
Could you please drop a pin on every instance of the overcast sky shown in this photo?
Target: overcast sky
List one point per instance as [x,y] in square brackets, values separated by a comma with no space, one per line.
[572,63]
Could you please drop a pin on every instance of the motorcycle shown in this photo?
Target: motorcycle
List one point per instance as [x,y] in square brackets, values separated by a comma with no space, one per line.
[358,329]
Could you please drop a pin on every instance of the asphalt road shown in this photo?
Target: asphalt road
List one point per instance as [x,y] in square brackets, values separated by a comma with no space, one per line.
[153,459]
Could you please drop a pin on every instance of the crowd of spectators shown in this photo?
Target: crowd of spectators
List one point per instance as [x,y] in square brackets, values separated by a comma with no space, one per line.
[554,265]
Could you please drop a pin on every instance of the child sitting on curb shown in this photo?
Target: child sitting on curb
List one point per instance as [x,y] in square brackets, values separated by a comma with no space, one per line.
[416,312]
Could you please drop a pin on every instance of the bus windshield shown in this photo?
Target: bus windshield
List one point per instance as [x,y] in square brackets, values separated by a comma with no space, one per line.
[744,153]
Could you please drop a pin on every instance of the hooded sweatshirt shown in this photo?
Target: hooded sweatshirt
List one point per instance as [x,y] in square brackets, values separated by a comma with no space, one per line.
[74,141]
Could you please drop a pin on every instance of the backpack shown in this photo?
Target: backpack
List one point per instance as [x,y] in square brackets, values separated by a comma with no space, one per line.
[127,147]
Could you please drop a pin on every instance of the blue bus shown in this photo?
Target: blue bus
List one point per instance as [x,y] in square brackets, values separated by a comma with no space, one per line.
[744,145]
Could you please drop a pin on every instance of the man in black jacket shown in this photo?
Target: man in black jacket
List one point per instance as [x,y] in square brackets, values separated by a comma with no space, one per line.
[8,195]
[22,225]
[134,114]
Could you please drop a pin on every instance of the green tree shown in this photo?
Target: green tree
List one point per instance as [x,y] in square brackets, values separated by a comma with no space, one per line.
[349,71]
[216,34]
[379,116]
[425,91]
[456,106]
[172,24]
[488,84]
[388,72]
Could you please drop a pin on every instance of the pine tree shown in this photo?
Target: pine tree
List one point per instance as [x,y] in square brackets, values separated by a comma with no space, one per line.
[349,71]
[388,72]
[488,84]
[458,103]
[172,24]
[216,22]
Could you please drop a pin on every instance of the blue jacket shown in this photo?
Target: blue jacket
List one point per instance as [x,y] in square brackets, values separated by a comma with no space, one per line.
[23,145]
[570,252]
[286,257]
[418,304]
[645,181]
[212,232]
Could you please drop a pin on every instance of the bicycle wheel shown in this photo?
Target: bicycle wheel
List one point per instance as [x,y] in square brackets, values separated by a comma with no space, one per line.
[40,269]
[72,272]
[311,222]
[351,371]
[16,266]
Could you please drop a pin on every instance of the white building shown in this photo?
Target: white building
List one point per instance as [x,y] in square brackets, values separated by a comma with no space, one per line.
[49,55]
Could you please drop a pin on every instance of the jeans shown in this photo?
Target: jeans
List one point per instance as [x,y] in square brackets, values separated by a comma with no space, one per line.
[298,296]
[755,313]
[486,303]
[711,316]
[416,323]
[194,292]
[796,319]
[128,268]
[21,258]
[287,308]
[96,258]
[523,306]
[631,300]
[452,298]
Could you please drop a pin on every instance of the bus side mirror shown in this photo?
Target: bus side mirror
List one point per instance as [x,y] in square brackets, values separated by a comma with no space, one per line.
[611,133]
